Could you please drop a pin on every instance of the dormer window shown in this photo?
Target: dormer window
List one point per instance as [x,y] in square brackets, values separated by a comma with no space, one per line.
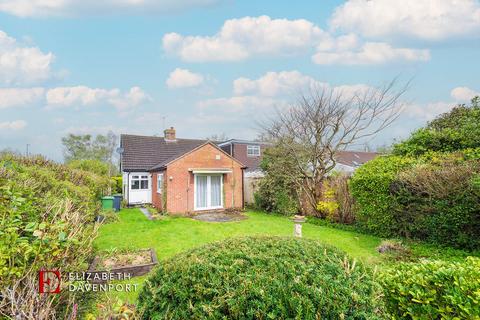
[253,151]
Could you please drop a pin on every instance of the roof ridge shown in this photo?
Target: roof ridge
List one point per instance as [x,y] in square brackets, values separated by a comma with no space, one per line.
[159,137]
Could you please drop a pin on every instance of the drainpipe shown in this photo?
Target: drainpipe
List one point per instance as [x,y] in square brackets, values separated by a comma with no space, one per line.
[128,188]
[243,189]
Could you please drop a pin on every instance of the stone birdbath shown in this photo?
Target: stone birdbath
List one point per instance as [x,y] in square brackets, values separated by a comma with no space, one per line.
[298,220]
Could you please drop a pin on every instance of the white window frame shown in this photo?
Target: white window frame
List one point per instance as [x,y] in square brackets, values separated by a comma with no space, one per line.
[209,185]
[139,178]
[253,151]
[159,186]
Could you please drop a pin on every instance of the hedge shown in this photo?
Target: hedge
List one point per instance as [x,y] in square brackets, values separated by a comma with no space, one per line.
[260,278]
[370,187]
[435,198]
[48,211]
[433,290]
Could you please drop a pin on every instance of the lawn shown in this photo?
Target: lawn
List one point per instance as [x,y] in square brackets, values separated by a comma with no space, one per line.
[172,235]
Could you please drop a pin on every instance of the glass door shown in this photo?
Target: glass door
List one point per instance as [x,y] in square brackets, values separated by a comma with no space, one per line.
[208,192]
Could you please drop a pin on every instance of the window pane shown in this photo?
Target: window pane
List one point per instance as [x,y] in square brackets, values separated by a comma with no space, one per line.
[201,191]
[135,184]
[159,183]
[134,177]
[144,177]
[253,150]
[215,191]
[144,184]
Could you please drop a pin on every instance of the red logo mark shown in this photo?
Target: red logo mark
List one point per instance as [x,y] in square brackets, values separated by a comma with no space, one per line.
[49,281]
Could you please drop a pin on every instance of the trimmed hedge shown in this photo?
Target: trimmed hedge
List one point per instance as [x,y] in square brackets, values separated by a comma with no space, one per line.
[374,203]
[434,198]
[260,278]
[433,290]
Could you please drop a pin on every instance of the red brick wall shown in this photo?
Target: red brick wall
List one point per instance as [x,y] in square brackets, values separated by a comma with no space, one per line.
[240,153]
[180,189]
[157,198]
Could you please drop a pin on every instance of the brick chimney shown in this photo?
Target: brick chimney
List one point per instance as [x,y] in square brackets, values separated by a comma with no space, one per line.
[169,134]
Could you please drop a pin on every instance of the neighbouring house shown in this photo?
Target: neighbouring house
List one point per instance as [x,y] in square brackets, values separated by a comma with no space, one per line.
[249,153]
[348,161]
[180,175]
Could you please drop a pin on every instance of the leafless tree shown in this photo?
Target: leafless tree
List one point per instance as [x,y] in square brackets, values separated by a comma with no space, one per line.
[326,121]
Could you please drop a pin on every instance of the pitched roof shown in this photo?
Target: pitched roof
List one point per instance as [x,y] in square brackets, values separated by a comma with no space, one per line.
[144,152]
[354,158]
[239,141]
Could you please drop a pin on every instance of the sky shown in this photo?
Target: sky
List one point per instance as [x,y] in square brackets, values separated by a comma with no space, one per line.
[211,67]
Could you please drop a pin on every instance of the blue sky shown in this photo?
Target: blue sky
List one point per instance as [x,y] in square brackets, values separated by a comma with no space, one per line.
[213,66]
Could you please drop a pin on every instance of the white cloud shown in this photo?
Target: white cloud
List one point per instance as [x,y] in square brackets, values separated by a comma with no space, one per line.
[371,53]
[85,96]
[183,78]
[36,8]
[18,97]
[133,98]
[241,38]
[246,104]
[428,111]
[463,94]
[13,125]
[273,90]
[275,83]
[424,19]
[20,64]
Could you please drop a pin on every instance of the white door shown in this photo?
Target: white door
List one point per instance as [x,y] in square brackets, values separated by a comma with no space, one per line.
[140,189]
[208,192]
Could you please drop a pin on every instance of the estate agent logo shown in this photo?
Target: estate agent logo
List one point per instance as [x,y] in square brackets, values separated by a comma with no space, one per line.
[49,281]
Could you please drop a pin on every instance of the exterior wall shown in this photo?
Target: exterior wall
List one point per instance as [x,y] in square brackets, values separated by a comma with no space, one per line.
[137,196]
[180,182]
[240,153]
[157,198]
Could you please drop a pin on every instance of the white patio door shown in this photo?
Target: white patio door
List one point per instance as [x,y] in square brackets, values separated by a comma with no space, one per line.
[208,192]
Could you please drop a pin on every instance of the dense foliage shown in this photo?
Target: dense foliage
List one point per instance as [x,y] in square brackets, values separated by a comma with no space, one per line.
[435,198]
[428,189]
[433,290]
[47,212]
[277,191]
[260,278]
[458,129]
[91,165]
[370,187]
[337,202]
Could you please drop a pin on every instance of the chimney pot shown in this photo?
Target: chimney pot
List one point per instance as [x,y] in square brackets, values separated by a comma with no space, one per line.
[169,134]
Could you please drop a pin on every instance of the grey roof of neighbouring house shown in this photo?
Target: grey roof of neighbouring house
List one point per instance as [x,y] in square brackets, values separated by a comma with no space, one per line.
[354,158]
[144,153]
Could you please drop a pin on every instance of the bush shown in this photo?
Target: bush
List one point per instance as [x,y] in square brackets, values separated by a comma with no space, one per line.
[118,184]
[276,191]
[337,202]
[47,222]
[95,166]
[455,130]
[440,203]
[259,278]
[370,187]
[433,198]
[433,290]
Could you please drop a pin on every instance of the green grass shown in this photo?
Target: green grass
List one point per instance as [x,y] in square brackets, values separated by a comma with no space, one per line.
[172,235]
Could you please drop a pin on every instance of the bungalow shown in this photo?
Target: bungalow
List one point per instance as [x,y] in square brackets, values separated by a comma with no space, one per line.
[179,175]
